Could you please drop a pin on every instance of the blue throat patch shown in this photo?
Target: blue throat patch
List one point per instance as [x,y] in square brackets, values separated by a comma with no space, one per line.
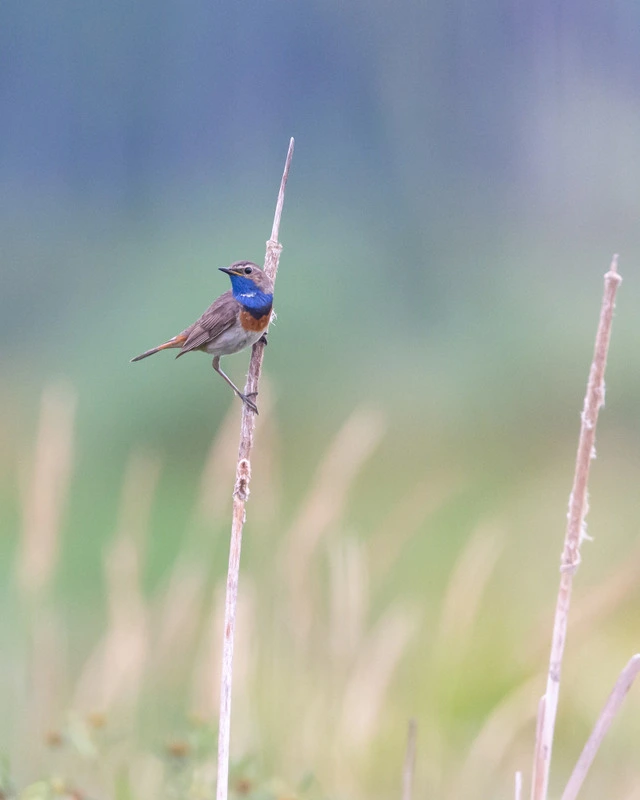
[253,299]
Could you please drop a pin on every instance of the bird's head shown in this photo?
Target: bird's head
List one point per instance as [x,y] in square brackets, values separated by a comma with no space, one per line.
[251,285]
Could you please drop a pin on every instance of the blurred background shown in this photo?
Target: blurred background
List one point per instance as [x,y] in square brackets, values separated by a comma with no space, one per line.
[463,174]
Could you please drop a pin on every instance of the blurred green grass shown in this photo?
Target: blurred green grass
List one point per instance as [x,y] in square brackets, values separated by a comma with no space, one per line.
[480,406]
[504,473]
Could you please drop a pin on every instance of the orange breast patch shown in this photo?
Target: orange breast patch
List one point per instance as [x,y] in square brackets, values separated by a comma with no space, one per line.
[251,323]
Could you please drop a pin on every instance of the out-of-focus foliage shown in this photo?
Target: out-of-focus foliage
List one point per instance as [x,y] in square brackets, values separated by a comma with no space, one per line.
[463,173]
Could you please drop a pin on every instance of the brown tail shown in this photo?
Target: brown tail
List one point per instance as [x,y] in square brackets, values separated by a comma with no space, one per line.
[177,341]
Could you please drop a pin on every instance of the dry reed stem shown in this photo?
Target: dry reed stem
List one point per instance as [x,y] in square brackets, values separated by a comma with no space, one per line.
[611,708]
[409,761]
[240,495]
[213,495]
[206,662]
[267,492]
[575,531]
[205,678]
[596,605]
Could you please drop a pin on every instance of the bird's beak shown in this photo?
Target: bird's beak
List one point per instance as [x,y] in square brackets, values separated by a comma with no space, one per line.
[225,269]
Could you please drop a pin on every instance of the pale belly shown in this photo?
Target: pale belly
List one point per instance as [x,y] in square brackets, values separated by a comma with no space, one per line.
[232,341]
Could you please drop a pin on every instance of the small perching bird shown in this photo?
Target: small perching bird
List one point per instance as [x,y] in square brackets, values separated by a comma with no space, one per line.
[237,319]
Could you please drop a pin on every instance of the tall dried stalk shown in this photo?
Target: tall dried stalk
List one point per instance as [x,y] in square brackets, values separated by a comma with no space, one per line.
[601,602]
[611,708]
[240,495]
[575,533]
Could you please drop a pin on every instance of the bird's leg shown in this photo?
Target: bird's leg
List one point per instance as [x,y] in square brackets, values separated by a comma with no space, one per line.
[245,398]
[263,339]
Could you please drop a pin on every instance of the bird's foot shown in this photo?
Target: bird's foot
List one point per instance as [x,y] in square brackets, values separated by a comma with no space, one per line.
[248,402]
[263,339]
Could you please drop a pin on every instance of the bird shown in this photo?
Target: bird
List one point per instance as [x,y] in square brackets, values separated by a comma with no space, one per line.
[237,319]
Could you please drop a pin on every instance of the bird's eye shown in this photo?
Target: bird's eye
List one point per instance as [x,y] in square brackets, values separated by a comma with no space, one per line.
[248,270]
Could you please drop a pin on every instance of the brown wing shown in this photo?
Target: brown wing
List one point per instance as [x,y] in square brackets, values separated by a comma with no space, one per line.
[219,317]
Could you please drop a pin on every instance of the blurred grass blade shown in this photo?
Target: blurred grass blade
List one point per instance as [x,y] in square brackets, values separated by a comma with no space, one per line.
[371,676]
[47,490]
[463,596]
[324,506]
[114,672]
[348,597]
[409,761]
[611,708]
[490,745]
